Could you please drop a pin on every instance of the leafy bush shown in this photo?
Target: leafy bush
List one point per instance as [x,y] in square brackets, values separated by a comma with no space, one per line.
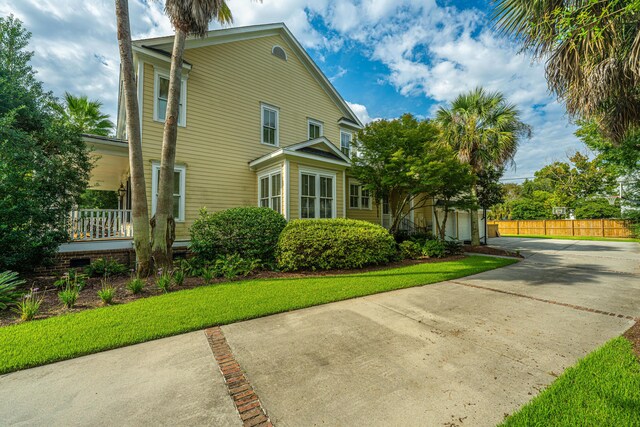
[164,282]
[69,296]
[9,292]
[250,232]
[422,238]
[71,278]
[135,285]
[232,266]
[107,293]
[192,267]
[178,277]
[326,244]
[453,247]
[410,250]
[434,249]
[208,274]
[29,306]
[105,268]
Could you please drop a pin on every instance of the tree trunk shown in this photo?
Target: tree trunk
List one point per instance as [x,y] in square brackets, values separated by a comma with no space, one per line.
[139,208]
[475,227]
[442,228]
[163,224]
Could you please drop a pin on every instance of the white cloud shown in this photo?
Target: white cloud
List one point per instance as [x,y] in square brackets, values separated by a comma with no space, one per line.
[362,113]
[430,51]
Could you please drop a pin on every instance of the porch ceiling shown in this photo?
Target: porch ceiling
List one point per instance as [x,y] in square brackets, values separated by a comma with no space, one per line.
[111,166]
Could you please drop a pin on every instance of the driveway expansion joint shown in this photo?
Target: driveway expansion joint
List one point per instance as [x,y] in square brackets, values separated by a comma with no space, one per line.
[245,399]
[562,304]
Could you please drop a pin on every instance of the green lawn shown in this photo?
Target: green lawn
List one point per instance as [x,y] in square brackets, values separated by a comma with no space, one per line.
[64,337]
[603,389]
[599,239]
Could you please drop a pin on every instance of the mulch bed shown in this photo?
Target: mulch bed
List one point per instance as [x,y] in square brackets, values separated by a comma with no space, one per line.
[88,297]
[490,250]
[633,335]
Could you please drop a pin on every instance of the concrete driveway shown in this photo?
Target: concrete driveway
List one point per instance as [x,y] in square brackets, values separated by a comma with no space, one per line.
[458,353]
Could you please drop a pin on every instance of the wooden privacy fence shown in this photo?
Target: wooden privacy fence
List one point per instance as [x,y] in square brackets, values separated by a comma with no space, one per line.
[566,227]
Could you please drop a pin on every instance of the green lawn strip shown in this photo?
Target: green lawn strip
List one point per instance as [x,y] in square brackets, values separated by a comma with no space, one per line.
[603,389]
[593,238]
[57,338]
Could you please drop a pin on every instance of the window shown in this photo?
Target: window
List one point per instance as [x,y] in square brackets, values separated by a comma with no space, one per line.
[279,52]
[161,89]
[315,129]
[345,142]
[270,191]
[359,198]
[317,195]
[269,125]
[179,181]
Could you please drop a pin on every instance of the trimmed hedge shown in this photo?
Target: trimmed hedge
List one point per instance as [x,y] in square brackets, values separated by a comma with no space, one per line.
[326,244]
[250,232]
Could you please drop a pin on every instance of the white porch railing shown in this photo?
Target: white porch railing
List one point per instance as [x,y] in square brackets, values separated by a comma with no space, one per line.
[100,224]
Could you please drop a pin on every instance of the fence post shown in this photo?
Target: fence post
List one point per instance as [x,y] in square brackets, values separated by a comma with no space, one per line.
[544,227]
[573,231]
[602,226]
[517,227]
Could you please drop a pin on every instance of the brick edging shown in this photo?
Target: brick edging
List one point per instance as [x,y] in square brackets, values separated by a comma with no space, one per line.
[563,304]
[244,398]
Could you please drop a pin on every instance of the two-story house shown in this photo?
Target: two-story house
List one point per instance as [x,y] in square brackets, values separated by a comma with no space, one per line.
[259,124]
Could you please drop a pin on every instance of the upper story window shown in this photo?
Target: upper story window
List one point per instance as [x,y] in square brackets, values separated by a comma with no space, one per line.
[269,125]
[179,187]
[314,128]
[161,96]
[270,191]
[279,52]
[345,142]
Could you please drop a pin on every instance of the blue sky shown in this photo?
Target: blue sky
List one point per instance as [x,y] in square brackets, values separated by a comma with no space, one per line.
[386,57]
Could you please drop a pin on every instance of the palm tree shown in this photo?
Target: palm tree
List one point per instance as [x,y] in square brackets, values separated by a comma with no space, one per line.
[187,17]
[139,207]
[85,115]
[484,130]
[591,51]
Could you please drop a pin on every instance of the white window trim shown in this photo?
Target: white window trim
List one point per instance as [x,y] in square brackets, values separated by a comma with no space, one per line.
[155,170]
[318,173]
[269,173]
[265,106]
[346,132]
[182,121]
[317,123]
[355,182]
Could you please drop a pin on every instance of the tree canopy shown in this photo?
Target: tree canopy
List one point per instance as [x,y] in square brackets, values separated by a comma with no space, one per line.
[85,115]
[403,160]
[44,165]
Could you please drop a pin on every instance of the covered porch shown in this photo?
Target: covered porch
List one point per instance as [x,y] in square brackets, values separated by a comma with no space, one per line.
[109,177]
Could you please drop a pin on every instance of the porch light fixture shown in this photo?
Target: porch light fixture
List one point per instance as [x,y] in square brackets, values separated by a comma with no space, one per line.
[121,191]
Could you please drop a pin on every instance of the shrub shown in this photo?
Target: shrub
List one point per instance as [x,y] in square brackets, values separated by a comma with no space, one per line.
[250,232]
[178,277]
[422,238]
[192,267]
[164,282]
[71,278]
[9,292]
[333,243]
[453,247]
[232,266]
[410,250]
[107,293]
[208,274]
[69,296]
[105,268]
[29,306]
[433,249]
[136,285]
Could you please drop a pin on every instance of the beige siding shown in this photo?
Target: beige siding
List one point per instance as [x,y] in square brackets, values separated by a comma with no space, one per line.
[225,87]
[371,215]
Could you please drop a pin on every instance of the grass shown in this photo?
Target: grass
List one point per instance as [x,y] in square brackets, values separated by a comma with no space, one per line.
[594,238]
[603,389]
[57,338]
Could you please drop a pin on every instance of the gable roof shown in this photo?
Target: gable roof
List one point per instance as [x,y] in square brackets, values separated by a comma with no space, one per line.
[228,35]
[306,149]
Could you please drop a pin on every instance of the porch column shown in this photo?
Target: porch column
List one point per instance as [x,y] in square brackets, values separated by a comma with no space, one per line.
[285,189]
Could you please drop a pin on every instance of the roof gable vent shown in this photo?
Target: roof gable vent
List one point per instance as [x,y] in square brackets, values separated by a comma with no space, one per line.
[279,52]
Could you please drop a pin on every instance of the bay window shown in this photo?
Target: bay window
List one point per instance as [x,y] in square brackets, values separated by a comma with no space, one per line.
[270,191]
[317,195]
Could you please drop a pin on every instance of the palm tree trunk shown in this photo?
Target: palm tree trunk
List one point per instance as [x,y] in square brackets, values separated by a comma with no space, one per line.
[139,208]
[164,224]
[475,226]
